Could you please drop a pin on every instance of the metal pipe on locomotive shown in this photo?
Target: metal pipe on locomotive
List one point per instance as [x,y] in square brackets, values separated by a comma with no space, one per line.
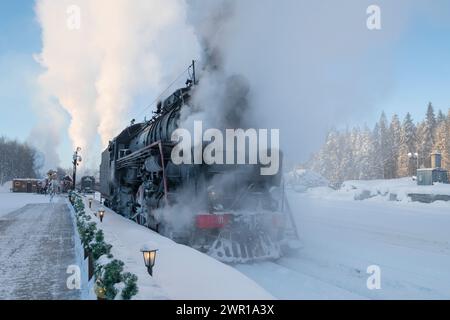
[243,219]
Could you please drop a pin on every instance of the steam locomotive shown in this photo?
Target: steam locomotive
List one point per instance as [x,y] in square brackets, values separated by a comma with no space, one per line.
[87,184]
[230,212]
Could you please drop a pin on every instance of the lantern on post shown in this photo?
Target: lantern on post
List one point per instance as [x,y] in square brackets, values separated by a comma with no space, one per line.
[149,259]
[76,162]
[101,214]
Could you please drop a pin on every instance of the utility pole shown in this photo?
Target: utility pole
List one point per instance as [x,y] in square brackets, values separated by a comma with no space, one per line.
[76,160]
[193,72]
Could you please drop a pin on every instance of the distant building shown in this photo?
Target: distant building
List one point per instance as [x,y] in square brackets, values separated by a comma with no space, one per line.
[428,176]
[25,185]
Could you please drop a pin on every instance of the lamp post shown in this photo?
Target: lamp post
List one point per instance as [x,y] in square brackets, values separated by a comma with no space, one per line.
[414,156]
[101,214]
[76,161]
[90,203]
[149,259]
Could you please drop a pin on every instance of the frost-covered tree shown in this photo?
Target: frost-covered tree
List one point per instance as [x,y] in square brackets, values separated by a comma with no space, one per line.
[426,133]
[365,155]
[395,132]
[385,144]
[346,169]
[377,159]
[383,152]
[17,160]
[405,166]
[442,140]
[440,118]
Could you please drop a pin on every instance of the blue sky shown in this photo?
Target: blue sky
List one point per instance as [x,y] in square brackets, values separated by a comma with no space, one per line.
[421,70]
[420,62]
[20,38]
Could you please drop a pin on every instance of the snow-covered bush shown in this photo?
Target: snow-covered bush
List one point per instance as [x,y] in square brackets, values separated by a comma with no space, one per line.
[131,288]
[108,276]
[99,247]
[111,282]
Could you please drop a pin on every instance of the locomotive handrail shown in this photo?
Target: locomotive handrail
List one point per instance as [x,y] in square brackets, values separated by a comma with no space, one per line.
[122,162]
[135,156]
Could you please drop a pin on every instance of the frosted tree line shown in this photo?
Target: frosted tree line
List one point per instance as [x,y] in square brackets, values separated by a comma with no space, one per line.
[385,152]
[17,160]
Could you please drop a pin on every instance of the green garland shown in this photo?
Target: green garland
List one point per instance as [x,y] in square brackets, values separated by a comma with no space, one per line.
[107,275]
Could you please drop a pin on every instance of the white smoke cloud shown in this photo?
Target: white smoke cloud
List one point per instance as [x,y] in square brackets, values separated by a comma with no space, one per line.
[45,135]
[310,65]
[122,48]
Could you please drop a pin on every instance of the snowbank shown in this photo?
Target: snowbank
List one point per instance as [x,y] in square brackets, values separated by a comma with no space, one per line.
[6,187]
[180,272]
[375,190]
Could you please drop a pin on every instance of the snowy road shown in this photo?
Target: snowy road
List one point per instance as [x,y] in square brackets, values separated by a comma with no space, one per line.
[410,242]
[36,247]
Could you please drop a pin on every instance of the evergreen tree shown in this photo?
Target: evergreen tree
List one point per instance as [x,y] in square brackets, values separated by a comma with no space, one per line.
[17,160]
[426,133]
[365,155]
[395,132]
[405,166]
[431,118]
[385,145]
[328,160]
[346,169]
[440,118]
[442,140]
[377,163]
[388,151]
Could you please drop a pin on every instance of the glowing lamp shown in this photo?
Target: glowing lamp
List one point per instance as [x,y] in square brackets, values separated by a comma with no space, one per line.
[101,214]
[149,259]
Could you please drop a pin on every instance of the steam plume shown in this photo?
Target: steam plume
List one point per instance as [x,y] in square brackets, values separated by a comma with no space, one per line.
[122,49]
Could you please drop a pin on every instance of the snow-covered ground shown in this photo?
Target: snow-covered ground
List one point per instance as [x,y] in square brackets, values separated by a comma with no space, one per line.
[180,272]
[379,190]
[341,237]
[12,201]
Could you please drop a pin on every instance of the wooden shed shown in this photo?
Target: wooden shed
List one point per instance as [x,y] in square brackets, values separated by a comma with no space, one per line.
[25,185]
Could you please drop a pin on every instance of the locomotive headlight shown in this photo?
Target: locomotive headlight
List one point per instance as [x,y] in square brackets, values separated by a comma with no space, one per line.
[212,194]
[214,200]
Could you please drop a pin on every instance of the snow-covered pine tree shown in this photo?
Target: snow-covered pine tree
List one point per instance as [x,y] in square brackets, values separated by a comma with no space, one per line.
[406,166]
[385,144]
[377,164]
[346,164]
[440,118]
[426,135]
[327,161]
[431,118]
[365,154]
[356,150]
[442,140]
[17,160]
[395,132]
